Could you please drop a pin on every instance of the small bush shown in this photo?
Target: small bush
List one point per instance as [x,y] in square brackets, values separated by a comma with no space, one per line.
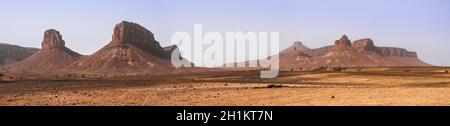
[319,69]
[338,69]
[446,71]
[274,86]
[407,71]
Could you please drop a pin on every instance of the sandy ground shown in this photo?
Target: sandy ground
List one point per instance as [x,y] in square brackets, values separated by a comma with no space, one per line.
[385,88]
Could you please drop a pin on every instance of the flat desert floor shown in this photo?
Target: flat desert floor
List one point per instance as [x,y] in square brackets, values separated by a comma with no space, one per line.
[361,87]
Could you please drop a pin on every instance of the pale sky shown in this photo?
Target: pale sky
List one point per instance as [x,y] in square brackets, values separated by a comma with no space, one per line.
[86,25]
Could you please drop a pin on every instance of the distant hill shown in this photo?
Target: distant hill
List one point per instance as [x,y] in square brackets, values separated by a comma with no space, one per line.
[10,54]
[344,53]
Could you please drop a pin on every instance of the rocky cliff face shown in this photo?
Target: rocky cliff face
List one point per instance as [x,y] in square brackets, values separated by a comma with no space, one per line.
[10,54]
[368,45]
[365,45]
[136,35]
[52,39]
[399,52]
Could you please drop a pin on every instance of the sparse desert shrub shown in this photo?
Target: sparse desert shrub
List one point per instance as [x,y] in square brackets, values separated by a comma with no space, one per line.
[338,69]
[292,69]
[274,86]
[359,69]
[407,71]
[319,69]
[446,71]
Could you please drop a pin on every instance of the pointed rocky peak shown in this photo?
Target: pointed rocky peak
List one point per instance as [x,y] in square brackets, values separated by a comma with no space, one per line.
[298,46]
[134,34]
[52,39]
[343,42]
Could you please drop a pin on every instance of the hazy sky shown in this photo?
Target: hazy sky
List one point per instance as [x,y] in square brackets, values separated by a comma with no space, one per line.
[86,25]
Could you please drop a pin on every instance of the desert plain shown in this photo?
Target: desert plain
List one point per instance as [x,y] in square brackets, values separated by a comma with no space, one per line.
[378,86]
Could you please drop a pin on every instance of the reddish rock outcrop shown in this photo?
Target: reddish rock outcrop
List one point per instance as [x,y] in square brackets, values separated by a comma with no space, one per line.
[344,42]
[399,52]
[297,46]
[362,53]
[368,45]
[52,39]
[132,50]
[136,35]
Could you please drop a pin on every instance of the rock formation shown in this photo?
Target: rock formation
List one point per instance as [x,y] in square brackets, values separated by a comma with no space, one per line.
[344,42]
[52,39]
[365,45]
[132,50]
[136,35]
[297,46]
[368,45]
[362,53]
[53,55]
[399,52]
